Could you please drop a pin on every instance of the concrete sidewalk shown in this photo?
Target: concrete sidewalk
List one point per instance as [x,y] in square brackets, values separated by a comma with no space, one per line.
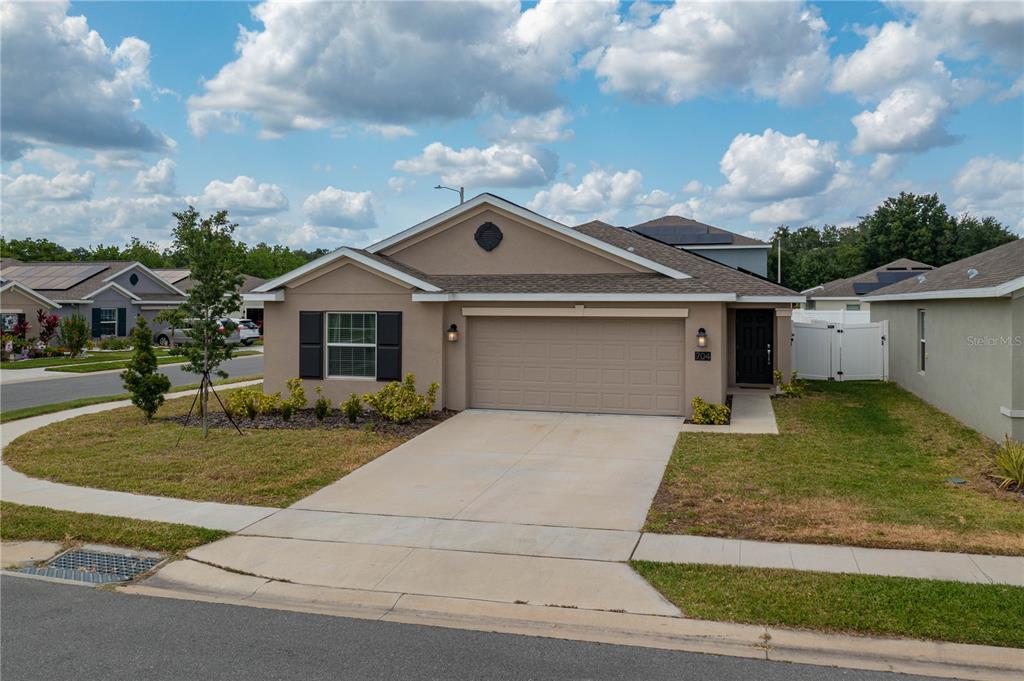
[953,567]
[752,414]
[21,489]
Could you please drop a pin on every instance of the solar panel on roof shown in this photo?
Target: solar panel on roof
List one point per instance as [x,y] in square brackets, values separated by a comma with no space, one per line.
[685,234]
[52,277]
[892,276]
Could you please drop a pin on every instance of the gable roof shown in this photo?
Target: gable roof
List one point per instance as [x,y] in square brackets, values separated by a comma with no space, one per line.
[113,285]
[531,216]
[993,273]
[152,275]
[704,279]
[676,230]
[373,261]
[30,292]
[866,282]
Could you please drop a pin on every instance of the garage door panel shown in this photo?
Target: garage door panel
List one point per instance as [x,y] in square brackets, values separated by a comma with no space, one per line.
[572,364]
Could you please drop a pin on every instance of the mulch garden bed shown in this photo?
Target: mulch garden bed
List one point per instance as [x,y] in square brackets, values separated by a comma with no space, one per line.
[305,419]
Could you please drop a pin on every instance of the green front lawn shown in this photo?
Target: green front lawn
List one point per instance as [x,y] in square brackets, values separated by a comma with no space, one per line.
[118,450]
[18,522]
[162,358]
[87,358]
[859,463]
[986,614]
[27,412]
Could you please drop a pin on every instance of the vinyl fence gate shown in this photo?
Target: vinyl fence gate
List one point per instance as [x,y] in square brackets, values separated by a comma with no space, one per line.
[841,352]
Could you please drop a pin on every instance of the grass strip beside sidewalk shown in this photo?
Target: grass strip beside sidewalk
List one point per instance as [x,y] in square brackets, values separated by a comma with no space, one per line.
[91,367]
[988,614]
[20,523]
[28,412]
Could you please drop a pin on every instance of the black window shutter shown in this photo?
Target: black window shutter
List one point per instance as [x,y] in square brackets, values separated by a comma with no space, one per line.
[311,344]
[21,318]
[389,346]
[96,332]
[122,321]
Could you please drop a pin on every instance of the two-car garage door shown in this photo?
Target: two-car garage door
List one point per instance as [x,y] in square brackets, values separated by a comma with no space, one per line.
[611,365]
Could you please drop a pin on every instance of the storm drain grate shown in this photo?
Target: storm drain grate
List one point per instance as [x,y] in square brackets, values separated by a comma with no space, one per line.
[94,567]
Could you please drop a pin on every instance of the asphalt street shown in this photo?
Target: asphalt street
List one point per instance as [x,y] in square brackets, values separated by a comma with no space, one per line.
[53,631]
[49,391]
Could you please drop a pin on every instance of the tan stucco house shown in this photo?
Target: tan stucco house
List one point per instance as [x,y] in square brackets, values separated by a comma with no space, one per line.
[506,308]
[956,338]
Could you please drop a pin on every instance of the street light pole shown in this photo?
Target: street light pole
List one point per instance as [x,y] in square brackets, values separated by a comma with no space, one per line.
[461,191]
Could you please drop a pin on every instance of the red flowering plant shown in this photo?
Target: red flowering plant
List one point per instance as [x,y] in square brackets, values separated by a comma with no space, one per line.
[48,326]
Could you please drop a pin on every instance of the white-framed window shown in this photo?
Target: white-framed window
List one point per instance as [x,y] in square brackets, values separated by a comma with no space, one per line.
[853,307]
[352,344]
[922,354]
[812,304]
[108,321]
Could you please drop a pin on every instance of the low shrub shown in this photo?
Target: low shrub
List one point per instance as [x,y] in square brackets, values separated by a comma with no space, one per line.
[322,406]
[352,408]
[795,388]
[296,394]
[709,413]
[286,410]
[253,402]
[1009,464]
[399,402]
[115,343]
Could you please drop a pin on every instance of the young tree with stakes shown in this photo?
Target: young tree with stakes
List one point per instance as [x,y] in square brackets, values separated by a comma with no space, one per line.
[140,378]
[214,259]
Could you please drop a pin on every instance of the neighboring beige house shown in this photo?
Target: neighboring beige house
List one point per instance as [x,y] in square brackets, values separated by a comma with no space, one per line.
[21,303]
[846,294]
[956,338]
[508,309]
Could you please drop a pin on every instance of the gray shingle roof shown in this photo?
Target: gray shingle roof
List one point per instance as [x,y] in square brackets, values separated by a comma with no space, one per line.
[716,277]
[993,267]
[676,230]
[844,288]
[638,282]
[707,277]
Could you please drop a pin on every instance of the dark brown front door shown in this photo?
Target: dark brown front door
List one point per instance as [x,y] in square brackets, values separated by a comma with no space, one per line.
[754,346]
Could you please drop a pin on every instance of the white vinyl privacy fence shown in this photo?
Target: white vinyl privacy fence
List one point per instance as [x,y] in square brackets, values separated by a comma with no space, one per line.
[841,352]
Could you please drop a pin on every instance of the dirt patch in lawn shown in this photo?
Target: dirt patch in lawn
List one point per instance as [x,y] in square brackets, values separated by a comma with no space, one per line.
[863,464]
[119,450]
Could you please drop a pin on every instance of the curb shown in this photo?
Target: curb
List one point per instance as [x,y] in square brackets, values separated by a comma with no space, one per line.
[190,580]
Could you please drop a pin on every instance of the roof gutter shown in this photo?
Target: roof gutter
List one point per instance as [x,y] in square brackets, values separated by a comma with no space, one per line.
[577,297]
[999,291]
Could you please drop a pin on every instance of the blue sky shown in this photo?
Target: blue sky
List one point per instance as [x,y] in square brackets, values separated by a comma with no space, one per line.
[321,125]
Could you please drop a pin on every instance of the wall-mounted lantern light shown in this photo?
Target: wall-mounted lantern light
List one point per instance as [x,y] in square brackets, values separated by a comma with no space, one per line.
[702,338]
[453,333]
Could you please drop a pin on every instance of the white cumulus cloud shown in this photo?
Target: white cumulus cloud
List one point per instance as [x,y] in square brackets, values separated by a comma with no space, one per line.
[61,187]
[989,185]
[542,129]
[62,84]
[244,196]
[157,179]
[774,50]
[498,165]
[601,195]
[333,207]
[773,166]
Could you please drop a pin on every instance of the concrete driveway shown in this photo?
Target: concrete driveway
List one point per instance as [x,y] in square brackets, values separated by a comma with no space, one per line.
[532,468]
[532,507]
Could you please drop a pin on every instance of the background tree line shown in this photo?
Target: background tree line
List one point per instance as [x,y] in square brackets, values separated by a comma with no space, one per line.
[262,260]
[907,226]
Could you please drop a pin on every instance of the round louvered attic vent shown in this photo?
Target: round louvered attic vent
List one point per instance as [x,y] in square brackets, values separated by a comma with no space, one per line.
[488,236]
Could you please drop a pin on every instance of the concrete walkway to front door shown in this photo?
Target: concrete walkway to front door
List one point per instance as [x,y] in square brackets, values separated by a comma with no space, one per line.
[531,507]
